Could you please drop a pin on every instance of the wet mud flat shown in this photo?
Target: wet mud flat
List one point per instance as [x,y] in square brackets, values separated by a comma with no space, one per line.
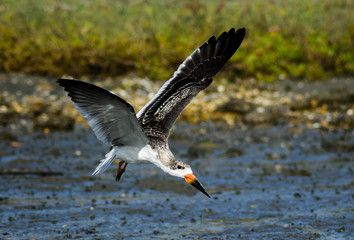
[276,158]
[265,182]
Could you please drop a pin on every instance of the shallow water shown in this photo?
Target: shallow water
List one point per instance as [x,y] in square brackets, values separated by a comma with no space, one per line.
[266,182]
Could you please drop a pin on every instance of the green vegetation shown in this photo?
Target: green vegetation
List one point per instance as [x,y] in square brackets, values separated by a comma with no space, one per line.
[311,39]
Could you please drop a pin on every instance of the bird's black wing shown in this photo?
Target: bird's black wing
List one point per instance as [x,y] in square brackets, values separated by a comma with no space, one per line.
[192,76]
[111,118]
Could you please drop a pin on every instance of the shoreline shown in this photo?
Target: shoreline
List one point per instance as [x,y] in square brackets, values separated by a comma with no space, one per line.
[30,103]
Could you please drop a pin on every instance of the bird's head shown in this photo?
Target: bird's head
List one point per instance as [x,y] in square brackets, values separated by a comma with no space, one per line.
[183,170]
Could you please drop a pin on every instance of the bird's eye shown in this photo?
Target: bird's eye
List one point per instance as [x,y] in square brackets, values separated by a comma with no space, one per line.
[180,167]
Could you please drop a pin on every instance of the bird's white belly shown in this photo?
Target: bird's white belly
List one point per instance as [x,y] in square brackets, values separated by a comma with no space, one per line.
[133,154]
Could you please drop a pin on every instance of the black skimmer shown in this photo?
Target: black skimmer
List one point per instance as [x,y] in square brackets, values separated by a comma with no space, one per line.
[143,137]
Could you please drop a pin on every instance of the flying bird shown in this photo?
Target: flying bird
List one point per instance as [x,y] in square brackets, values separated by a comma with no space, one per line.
[143,137]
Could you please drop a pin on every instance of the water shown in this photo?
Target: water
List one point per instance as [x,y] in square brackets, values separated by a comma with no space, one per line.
[270,182]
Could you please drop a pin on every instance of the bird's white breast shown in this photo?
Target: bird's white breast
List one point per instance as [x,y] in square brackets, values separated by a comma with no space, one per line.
[133,154]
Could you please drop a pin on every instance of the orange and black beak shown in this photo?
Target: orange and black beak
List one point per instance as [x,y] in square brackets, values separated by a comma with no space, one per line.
[191,179]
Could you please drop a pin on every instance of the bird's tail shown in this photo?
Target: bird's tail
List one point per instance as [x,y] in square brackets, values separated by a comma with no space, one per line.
[105,163]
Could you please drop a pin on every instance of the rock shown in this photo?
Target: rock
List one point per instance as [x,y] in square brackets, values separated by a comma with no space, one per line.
[337,145]
[275,156]
[300,104]
[238,106]
[59,122]
[6,135]
[317,99]
[232,153]
[201,149]
[265,114]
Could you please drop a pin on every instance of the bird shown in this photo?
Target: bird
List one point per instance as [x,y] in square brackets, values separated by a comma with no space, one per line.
[143,137]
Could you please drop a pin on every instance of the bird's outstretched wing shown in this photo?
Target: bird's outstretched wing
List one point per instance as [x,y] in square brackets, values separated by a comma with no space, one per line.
[111,118]
[192,76]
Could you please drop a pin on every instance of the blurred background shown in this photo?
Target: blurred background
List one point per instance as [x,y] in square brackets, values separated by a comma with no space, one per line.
[272,139]
[299,39]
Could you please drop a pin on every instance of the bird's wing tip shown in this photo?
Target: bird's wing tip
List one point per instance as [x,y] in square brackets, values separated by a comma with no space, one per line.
[241,31]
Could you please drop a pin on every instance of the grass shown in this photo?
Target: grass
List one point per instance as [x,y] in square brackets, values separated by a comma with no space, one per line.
[298,39]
